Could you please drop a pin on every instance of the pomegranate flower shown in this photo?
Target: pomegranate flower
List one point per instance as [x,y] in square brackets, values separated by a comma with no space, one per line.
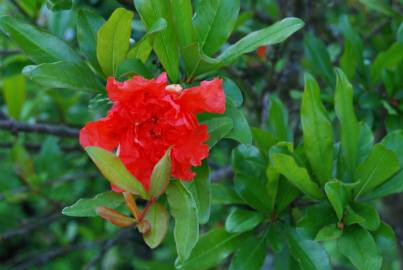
[148,117]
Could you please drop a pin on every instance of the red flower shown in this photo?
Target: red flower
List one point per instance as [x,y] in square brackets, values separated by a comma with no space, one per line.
[149,116]
[261,52]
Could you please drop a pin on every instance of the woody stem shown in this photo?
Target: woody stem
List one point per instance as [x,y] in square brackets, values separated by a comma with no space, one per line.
[148,205]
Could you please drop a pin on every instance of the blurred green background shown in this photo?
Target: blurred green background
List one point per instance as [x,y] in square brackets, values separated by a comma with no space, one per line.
[43,169]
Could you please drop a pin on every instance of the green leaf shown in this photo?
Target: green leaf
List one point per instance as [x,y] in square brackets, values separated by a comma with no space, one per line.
[286,194]
[165,43]
[359,247]
[184,210]
[250,176]
[39,45]
[113,40]
[142,48]
[87,207]
[196,62]
[214,21]
[352,59]
[309,254]
[201,192]
[349,128]
[365,142]
[75,77]
[276,237]
[368,213]
[316,217]
[387,60]
[380,165]
[212,249]
[157,216]
[264,140]
[88,24]
[182,17]
[329,232]
[161,175]
[251,254]
[218,127]
[394,142]
[298,176]
[241,131]
[222,194]
[318,131]
[318,58]
[14,92]
[271,35]
[338,196]
[115,171]
[240,220]
[232,92]
[272,186]
[278,120]
[133,66]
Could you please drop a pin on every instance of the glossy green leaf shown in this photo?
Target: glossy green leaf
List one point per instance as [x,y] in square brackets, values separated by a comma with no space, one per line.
[370,218]
[240,220]
[142,48]
[87,207]
[184,210]
[165,43]
[329,232]
[271,35]
[317,130]
[263,139]
[298,176]
[232,92]
[315,217]
[359,247]
[212,249]
[157,216]
[75,77]
[250,176]
[365,141]
[39,45]
[222,194]
[161,175]
[318,58]
[240,131]
[115,171]
[394,142]
[218,127]
[113,40]
[196,62]
[380,165]
[286,194]
[14,93]
[214,21]
[308,253]
[182,17]
[200,188]
[88,24]
[133,66]
[272,186]
[251,255]
[338,196]
[278,120]
[349,128]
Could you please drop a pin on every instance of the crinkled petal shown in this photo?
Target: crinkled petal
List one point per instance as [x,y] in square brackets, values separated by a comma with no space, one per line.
[124,91]
[208,97]
[104,133]
[189,151]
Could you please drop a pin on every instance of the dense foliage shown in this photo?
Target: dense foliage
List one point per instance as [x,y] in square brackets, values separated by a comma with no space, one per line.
[304,166]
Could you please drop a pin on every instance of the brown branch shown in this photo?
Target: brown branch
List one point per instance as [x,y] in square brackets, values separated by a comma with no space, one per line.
[37,147]
[60,131]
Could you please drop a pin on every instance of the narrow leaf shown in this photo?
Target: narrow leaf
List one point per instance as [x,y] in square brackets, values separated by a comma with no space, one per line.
[161,175]
[157,217]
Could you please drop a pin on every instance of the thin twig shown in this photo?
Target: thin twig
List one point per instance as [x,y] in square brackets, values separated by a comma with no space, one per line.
[30,224]
[37,147]
[8,52]
[57,130]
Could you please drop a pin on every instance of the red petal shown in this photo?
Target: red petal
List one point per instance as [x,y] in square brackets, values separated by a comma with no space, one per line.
[104,133]
[124,91]
[208,97]
[189,151]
